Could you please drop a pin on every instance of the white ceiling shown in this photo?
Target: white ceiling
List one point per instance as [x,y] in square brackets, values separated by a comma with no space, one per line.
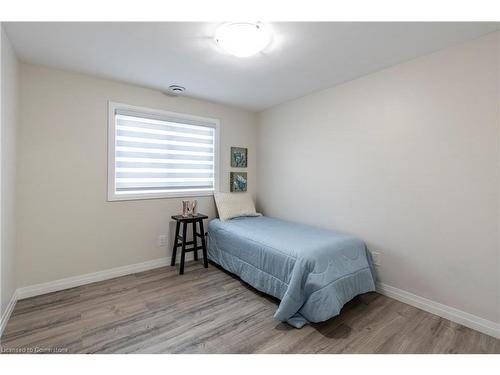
[303,57]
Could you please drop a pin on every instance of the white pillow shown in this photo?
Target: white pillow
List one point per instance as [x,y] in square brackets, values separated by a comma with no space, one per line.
[231,205]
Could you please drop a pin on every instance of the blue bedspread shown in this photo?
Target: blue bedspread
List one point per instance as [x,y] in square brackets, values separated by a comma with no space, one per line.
[313,272]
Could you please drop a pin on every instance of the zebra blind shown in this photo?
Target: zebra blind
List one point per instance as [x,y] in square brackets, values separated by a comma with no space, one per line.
[162,154]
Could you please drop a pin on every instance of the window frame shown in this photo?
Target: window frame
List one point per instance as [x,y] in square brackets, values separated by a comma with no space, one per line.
[111,191]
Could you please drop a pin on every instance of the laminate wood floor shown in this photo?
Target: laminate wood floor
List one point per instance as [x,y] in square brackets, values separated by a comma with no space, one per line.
[211,311]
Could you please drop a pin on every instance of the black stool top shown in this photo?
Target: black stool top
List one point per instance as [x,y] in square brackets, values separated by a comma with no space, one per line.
[189,218]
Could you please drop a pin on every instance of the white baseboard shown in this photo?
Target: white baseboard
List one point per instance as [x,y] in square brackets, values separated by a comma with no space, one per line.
[71,282]
[458,316]
[6,315]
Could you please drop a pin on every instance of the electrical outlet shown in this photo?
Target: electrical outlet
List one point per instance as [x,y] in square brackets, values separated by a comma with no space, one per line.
[162,240]
[376,258]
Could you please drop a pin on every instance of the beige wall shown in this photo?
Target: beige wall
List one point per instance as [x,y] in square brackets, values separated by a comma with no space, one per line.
[408,159]
[9,104]
[66,227]
[498,259]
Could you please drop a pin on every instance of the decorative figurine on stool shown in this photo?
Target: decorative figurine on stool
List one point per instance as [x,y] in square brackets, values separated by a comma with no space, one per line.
[189,208]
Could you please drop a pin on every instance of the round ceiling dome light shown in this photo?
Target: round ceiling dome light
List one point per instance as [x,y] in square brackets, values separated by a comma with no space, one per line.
[243,39]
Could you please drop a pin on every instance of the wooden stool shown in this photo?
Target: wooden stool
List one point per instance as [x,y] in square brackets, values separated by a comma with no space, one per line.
[186,220]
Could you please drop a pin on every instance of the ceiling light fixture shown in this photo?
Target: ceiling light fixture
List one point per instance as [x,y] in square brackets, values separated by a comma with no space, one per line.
[243,39]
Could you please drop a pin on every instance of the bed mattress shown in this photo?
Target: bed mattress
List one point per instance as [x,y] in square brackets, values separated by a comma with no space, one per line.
[314,272]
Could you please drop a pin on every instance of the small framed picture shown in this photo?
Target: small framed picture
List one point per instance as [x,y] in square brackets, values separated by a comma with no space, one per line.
[238,182]
[239,157]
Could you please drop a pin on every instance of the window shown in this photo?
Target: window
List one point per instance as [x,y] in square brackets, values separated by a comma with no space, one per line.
[157,154]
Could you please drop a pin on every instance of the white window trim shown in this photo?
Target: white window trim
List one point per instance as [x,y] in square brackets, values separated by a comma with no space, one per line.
[112,196]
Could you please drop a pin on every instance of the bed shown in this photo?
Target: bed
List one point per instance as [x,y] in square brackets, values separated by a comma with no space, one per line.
[314,272]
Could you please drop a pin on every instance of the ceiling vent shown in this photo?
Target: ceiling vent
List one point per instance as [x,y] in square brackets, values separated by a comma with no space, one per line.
[175,90]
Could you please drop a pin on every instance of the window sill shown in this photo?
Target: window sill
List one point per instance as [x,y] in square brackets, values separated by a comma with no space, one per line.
[134,197]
